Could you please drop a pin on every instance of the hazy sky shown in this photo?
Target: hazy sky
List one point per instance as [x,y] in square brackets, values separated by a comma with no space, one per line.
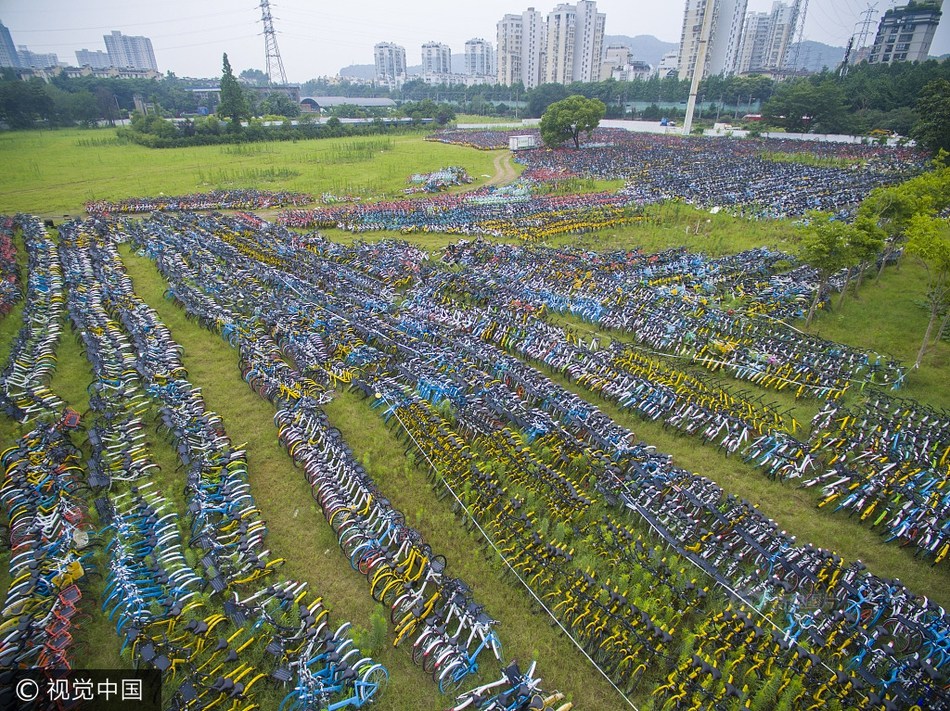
[318,38]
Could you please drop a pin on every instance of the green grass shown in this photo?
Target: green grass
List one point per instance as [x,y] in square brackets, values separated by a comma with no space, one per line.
[888,316]
[678,224]
[476,118]
[54,173]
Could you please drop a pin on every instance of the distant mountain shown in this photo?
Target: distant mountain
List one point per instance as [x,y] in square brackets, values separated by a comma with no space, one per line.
[646,48]
[815,56]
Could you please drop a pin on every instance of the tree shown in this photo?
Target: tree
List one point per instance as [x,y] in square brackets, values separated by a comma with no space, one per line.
[928,238]
[542,96]
[569,118]
[825,247]
[865,240]
[254,77]
[233,103]
[278,103]
[932,129]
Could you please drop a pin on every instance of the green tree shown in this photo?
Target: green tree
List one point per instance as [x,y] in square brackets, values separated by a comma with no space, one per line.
[865,240]
[569,118]
[932,129]
[542,96]
[233,102]
[278,103]
[825,246]
[254,77]
[928,238]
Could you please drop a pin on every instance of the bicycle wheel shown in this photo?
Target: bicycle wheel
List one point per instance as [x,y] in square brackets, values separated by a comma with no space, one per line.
[371,683]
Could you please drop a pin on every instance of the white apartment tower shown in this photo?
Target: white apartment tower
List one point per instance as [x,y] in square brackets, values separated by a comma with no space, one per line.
[575,37]
[521,43]
[755,39]
[390,64]
[724,37]
[127,52]
[906,32]
[96,59]
[766,37]
[783,19]
[479,58]
[436,59]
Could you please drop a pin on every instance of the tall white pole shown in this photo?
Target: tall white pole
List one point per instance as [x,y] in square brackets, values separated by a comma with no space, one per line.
[700,67]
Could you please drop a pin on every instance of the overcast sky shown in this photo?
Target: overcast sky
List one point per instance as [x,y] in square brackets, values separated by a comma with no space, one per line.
[318,38]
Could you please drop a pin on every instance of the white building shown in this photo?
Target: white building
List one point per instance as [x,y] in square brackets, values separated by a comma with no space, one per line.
[390,64]
[436,59]
[755,38]
[8,54]
[614,56]
[95,59]
[575,37]
[905,33]
[35,60]
[130,52]
[782,23]
[669,65]
[632,71]
[521,44]
[479,58]
[724,36]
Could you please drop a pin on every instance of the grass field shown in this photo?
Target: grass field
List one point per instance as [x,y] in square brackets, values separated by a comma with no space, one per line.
[57,171]
[52,174]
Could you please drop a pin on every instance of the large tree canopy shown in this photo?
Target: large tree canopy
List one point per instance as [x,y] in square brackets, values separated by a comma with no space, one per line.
[932,129]
[569,118]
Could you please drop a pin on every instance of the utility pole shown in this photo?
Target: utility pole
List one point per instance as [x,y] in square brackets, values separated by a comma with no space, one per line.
[843,72]
[273,60]
[700,67]
[801,10]
[866,25]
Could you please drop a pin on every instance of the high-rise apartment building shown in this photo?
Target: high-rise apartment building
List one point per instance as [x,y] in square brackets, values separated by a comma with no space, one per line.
[95,59]
[564,48]
[724,36]
[8,55]
[575,37]
[128,52]
[906,32]
[479,58]
[36,60]
[781,34]
[436,59]
[390,64]
[521,46]
[766,38]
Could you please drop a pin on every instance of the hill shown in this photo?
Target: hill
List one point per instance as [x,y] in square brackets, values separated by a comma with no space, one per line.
[815,56]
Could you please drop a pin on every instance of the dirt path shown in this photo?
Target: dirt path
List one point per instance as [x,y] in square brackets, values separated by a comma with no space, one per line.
[504,171]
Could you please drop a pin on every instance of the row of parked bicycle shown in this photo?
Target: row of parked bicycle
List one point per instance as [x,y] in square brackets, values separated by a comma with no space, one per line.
[529,217]
[238,199]
[447,629]
[670,302]
[152,589]
[10,288]
[886,644]
[757,179]
[43,492]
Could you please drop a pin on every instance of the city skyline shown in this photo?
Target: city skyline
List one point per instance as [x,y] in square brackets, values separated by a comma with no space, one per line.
[189,39]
